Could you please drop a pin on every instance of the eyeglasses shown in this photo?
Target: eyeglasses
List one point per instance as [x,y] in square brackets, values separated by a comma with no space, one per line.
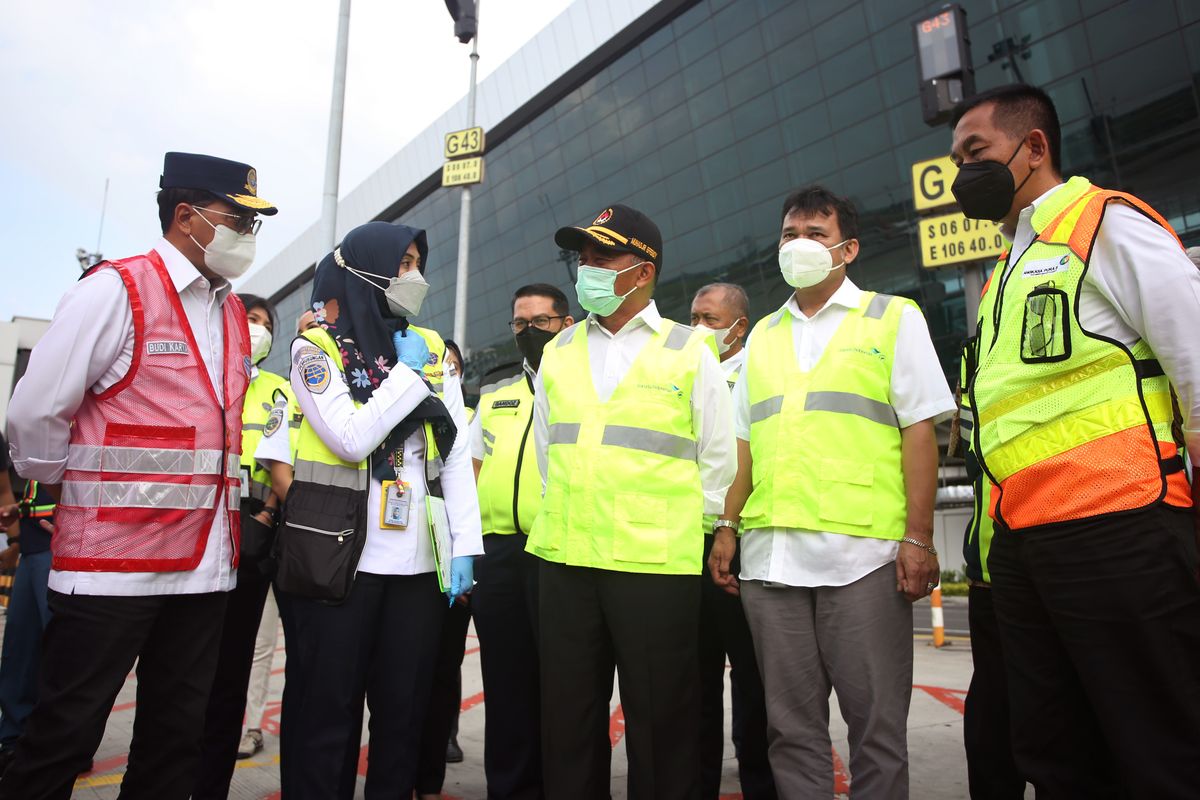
[244,224]
[1041,331]
[541,322]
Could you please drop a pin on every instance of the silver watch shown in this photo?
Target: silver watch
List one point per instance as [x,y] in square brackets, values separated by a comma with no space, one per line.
[725,523]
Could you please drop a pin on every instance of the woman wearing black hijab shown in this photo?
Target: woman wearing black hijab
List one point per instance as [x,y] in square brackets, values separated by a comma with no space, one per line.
[381,436]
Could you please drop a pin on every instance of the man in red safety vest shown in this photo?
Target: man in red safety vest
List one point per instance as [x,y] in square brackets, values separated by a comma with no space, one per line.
[130,414]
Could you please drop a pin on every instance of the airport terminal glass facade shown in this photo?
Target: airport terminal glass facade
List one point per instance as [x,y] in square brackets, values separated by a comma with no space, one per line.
[708,121]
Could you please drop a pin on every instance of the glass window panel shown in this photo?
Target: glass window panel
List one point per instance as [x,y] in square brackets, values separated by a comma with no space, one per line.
[661,65]
[1126,26]
[854,104]
[786,29]
[763,147]
[750,82]
[702,75]
[696,42]
[847,68]
[714,136]
[834,35]
[754,115]
[720,168]
[741,50]
[733,18]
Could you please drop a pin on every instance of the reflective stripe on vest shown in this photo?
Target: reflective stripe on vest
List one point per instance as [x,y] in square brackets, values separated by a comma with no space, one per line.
[137,494]
[826,443]
[623,489]
[510,484]
[159,460]
[1069,425]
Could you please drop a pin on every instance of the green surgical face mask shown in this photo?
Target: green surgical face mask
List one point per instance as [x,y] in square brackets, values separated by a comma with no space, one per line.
[594,288]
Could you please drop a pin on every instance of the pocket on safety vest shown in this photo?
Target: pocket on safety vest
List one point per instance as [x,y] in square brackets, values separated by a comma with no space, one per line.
[1045,334]
[640,528]
[846,491]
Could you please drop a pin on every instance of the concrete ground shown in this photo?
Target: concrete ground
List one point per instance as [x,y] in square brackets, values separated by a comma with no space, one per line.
[938,766]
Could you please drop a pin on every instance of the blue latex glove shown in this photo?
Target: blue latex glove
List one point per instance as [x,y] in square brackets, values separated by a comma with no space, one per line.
[462,576]
[411,350]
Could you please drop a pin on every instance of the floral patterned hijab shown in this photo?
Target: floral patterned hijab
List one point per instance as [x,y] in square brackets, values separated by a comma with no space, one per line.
[355,313]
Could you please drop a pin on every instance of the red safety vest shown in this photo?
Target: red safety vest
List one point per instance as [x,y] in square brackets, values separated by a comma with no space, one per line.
[151,456]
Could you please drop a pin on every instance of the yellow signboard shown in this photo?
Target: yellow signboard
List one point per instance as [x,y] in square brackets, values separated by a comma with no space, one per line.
[464,143]
[462,172]
[952,239]
[931,182]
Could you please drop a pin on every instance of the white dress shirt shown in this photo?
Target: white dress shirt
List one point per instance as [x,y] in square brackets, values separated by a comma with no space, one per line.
[734,363]
[277,445]
[1140,284]
[353,433]
[799,557]
[89,347]
[610,355]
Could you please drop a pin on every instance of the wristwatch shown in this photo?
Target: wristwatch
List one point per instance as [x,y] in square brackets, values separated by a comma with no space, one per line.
[725,523]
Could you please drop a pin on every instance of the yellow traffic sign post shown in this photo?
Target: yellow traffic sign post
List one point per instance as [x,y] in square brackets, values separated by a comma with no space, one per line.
[467,142]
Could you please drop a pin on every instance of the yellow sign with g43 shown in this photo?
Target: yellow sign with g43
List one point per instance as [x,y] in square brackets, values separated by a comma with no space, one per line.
[464,143]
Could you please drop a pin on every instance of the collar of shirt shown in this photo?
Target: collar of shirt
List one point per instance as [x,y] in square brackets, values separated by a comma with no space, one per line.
[1025,218]
[847,295]
[731,364]
[184,274]
[648,316]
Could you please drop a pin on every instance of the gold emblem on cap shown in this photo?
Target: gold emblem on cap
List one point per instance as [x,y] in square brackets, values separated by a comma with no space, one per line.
[252,181]
[604,217]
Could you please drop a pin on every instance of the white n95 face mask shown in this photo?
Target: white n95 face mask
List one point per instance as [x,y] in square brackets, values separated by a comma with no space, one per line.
[721,335]
[230,253]
[804,263]
[260,342]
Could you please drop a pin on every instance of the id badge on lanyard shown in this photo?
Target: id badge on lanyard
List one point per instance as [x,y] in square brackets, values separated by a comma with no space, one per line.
[396,497]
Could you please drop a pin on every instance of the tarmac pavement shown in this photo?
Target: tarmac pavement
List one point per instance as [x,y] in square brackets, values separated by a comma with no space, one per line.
[938,765]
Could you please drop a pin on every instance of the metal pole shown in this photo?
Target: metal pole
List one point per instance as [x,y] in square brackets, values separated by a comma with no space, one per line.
[333,155]
[972,289]
[464,214]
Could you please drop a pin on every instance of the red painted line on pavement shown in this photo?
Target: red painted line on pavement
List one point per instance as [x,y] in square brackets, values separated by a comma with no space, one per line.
[948,697]
[472,650]
[841,781]
[616,725]
[273,796]
[124,706]
[108,764]
[470,702]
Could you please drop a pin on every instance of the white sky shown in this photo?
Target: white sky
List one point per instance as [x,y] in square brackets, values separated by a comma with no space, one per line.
[102,90]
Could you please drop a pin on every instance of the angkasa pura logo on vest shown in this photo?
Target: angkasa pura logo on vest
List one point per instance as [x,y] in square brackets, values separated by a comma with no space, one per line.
[662,387]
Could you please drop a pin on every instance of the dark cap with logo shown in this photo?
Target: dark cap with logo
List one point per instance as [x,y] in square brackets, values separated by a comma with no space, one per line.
[232,181]
[616,228]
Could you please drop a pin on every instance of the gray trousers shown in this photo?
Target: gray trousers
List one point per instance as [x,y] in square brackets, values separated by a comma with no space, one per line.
[856,639]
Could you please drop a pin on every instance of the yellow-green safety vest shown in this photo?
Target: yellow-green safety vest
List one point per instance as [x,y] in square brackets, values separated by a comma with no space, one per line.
[623,488]
[316,463]
[256,415]
[510,484]
[825,443]
[1069,424]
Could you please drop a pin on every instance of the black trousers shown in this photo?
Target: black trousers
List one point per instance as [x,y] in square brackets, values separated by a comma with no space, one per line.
[724,631]
[645,625]
[991,770]
[381,644]
[1100,625]
[89,648]
[504,605]
[227,701]
[445,699]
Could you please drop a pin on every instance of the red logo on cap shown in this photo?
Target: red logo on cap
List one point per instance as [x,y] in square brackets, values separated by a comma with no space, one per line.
[604,217]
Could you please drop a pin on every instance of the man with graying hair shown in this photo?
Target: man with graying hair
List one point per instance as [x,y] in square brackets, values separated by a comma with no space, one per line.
[724,309]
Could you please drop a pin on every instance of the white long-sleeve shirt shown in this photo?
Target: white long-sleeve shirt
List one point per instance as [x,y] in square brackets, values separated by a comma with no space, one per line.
[798,557]
[89,347]
[1140,284]
[610,356]
[353,433]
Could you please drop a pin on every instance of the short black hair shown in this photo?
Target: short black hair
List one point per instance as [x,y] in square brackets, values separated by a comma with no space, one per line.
[452,345]
[734,294]
[253,301]
[1019,108]
[561,307]
[818,200]
[169,199]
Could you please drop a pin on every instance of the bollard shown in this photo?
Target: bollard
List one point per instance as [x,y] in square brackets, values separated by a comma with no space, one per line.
[935,611]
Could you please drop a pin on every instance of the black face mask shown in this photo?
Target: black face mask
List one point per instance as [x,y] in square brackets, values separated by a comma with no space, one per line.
[531,342]
[985,190]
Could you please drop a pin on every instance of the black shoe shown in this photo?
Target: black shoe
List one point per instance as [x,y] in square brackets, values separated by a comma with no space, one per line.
[454,753]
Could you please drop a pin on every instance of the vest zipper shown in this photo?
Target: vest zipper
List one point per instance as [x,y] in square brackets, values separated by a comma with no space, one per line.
[517,476]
